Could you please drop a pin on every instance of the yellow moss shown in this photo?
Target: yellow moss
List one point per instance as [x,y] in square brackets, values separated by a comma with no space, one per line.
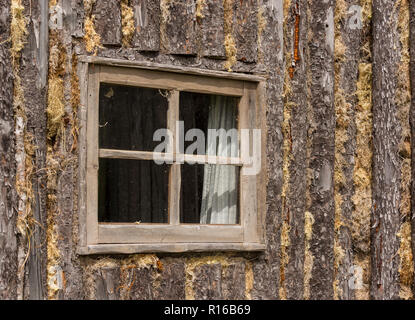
[91,38]
[55,125]
[362,173]
[230,45]
[406,267]
[308,257]
[165,18]
[403,103]
[262,23]
[362,261]
[127,22]
[200,5]
[56,108]
[24,151]
[287,159]
[366,12]
[341,138]
[249,280]
[75,102]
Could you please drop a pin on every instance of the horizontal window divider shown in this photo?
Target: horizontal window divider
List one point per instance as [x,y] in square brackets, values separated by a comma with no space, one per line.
[177,158]
[206,159]
[133,155]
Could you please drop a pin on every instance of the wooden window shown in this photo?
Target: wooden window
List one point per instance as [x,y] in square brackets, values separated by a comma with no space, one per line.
[128,202]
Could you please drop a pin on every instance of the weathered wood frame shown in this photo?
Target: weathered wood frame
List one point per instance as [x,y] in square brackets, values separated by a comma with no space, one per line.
[97,237]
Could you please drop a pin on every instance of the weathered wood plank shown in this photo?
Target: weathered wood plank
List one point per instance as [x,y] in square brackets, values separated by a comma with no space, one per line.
[178,27]
[321,165]
[147,24]
[159,233]
[170,81]
[170,68]
[108,21]
[169,248]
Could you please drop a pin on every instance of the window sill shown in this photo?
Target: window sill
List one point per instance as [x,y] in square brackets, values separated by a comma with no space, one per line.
[168,248]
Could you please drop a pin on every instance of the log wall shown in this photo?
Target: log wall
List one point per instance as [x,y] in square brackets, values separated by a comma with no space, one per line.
[339,109]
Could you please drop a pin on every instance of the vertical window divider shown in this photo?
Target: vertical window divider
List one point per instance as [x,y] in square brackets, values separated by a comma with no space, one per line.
[175,175]
[92,154]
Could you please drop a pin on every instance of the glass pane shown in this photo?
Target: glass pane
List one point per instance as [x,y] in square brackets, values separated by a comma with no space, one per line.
[203,112]
[129,116]
[133,191]
[209,194]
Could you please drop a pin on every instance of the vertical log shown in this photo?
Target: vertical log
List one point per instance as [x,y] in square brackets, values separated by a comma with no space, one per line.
[207,283]
[295,151]
[245,30]
[170,285]
[178,27]
[233,281]
[147,24]
[8,243]
[107,283]
[321,166]
[211,17]
[108,21]
[266,270]
[386,161]
[62,162]
[412,120]
[34,68]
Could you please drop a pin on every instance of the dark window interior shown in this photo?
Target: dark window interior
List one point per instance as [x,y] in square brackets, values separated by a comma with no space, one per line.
[194,112]
[129,116]
[133,191]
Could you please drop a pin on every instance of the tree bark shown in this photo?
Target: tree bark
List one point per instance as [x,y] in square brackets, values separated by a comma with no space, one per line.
[386,161]
[8,241]
[321,164]
[412,120]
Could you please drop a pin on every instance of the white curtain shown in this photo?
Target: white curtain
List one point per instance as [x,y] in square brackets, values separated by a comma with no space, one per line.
[220,192]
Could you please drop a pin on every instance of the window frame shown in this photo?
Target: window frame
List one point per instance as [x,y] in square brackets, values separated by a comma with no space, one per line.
[99,238]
